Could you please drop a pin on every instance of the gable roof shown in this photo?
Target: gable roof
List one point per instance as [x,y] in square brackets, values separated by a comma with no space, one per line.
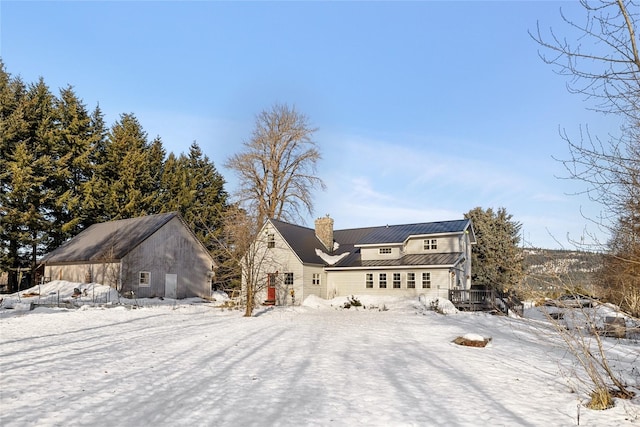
[303,242]
[108,241]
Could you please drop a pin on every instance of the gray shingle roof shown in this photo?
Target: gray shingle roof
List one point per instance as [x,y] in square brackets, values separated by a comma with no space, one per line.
[108,240]
[304,242]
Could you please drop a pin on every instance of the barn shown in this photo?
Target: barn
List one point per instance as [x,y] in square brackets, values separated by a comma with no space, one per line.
[149,256]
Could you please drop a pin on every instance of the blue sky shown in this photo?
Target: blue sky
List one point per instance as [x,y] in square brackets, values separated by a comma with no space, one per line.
[425,110]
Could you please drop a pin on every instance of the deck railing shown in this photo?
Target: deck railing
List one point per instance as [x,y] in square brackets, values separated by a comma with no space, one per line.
[484,300]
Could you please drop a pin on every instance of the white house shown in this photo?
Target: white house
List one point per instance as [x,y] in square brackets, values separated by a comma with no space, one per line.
[400,260]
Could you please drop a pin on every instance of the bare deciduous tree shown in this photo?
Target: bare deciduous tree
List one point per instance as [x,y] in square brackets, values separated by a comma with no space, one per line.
[246,257]
[277,166]
[603,65]
[581,330]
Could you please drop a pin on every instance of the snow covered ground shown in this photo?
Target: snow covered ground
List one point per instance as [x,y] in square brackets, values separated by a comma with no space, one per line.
[191,363]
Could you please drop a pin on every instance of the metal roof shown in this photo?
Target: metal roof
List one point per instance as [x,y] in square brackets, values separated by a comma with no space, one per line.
[304,242]
[417,259]
[108,241]
[400,233]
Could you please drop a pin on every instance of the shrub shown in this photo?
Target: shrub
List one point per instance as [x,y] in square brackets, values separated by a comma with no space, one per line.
[600,399]
[352,302]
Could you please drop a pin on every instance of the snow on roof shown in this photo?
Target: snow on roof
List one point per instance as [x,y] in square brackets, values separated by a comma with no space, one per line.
[330,259]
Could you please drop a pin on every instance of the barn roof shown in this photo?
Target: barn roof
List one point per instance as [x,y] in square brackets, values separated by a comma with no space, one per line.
[108,241]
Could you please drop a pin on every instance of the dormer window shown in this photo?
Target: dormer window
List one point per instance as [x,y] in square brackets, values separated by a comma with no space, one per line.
[384,251]
[271,240]
[430,244]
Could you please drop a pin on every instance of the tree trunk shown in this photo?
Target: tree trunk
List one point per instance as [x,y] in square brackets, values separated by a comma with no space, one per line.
[250,302]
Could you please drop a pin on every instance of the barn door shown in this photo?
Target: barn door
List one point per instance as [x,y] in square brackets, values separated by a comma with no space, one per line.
[171,286]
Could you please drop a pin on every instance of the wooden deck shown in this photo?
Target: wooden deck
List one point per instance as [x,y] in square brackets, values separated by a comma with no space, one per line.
[485,300]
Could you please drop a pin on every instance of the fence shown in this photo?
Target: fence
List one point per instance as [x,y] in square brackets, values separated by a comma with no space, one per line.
[53,299]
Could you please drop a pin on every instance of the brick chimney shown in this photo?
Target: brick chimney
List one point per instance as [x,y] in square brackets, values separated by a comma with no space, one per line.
[324,232]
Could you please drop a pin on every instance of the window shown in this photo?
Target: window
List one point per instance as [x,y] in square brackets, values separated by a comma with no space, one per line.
[382,280]
[369,280]
[271,240]
[144,279]
[383,251]
[426,280]
[315,279]
[396,280]
[430,244]
[411,280]
[288,278]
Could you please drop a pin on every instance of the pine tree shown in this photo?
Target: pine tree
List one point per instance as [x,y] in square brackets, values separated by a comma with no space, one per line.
[74,144]
[29,165]
[153,185]
[210,198]
[192,186]
[129,183]
[175,194]
[46,165]
[12,129]
[95,189]
[497,257]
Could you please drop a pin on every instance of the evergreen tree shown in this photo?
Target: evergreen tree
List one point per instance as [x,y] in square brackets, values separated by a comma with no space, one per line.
[74,143]
[497,257]
[175,194]
[12,129]
[126,173]
[95,190]
[192,186]
[156,159]
[17,179]
[210,198]
[29,164]
[44,153]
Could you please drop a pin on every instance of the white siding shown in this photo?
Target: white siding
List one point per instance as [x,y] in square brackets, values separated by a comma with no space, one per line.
[465,244]
[309,288]
[373,253]
[281,259]
[345,283]
[446,244]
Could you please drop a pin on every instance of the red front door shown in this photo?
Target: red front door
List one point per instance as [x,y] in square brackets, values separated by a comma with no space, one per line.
[271,289]
[271,293]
